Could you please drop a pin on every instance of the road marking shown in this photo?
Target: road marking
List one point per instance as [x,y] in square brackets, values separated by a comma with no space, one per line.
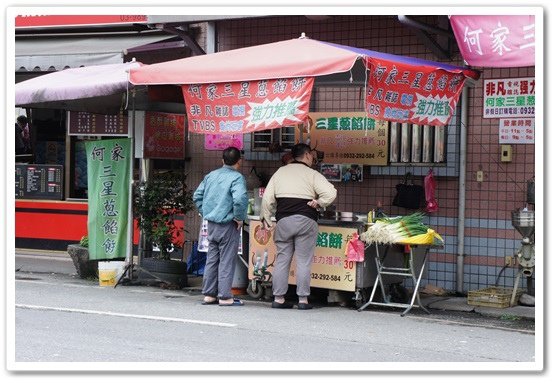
[46,257]
[110,313]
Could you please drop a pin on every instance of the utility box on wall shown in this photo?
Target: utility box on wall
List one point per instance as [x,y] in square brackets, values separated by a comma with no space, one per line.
[506,153]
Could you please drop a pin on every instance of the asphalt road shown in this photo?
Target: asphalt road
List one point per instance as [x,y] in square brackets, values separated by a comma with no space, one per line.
[60,318]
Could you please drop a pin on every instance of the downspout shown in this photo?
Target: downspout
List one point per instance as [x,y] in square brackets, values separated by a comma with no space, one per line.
[461,189]
[211,37]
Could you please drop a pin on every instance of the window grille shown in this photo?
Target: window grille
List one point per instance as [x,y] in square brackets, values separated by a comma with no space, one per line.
[285,137]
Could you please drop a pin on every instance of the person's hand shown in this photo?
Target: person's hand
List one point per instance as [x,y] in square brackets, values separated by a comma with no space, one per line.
[239,223]
[267,226]
[314,204]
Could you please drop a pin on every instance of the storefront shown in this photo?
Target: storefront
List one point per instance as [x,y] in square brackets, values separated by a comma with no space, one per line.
[60,126]
[476,188]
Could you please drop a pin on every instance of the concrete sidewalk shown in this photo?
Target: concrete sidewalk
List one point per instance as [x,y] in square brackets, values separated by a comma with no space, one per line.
[60,262]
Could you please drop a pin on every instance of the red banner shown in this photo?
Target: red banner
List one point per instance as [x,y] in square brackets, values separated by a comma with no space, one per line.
[242,107]
[408,93]
[164,136]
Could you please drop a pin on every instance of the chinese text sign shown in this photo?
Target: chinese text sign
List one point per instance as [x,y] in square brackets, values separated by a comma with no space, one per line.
[108,171]
[243,107]
[164,136]
[510,97]
[517,131]
[408,93]
[496,41]
[330,268]
[223,141]
[350,138]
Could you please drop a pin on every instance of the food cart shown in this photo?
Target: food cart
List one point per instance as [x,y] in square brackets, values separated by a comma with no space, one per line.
[331,268]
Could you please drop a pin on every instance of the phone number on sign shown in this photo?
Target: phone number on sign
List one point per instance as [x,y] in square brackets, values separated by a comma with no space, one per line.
[326,277]
[354,155]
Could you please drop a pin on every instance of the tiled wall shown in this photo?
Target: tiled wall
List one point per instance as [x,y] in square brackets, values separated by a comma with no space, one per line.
[489,235]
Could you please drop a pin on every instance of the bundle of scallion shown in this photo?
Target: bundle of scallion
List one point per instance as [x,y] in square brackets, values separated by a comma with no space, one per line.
[394,230]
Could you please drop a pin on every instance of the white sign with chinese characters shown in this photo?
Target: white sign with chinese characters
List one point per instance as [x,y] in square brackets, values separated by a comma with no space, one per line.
[509,97]
[517,131]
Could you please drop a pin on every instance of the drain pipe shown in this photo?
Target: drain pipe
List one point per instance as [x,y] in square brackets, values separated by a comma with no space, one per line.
[461,189]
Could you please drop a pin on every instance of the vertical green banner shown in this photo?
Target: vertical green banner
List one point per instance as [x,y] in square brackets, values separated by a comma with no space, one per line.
[108,175]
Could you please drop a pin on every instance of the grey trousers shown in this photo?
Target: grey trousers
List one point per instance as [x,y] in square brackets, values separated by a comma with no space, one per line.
[221,259]
[297,235]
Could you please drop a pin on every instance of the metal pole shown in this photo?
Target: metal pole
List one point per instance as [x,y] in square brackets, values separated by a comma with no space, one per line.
[461,189]
[131,134]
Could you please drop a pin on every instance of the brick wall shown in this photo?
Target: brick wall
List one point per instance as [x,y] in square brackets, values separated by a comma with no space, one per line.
[489,235]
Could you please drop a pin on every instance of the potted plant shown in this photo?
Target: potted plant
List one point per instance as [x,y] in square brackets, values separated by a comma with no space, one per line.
[157,202]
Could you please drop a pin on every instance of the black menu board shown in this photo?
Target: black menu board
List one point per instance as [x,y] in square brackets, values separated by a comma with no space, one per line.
[38,181]
[90,124]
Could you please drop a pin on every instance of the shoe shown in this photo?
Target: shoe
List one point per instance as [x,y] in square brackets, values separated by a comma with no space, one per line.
[304,306]
[285,305]
[209,302]
[236,302]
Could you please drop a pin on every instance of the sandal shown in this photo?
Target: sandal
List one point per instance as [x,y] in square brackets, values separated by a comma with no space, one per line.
[207,302]
[236,302]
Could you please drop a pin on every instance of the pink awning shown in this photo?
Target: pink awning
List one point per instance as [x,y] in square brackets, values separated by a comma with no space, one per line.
[301,57]
[284,59]
[212,77]
[76,83]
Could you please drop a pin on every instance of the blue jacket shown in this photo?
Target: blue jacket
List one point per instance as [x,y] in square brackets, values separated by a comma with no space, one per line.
[222,196]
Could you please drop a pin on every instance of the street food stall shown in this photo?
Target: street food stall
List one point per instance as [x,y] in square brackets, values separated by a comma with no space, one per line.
[385,263]
[331,268]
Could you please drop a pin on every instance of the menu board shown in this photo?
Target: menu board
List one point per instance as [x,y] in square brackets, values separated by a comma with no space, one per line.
[38,181]
[90,124]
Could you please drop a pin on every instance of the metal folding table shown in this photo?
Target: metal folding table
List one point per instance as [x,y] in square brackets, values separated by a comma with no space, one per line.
[408,271]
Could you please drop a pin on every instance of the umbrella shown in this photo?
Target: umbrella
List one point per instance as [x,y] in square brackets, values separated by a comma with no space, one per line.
[95,89]
[222,96]
[301,57]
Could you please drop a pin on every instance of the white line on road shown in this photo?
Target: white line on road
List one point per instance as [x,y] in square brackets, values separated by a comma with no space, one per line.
[110,313]
[62,258]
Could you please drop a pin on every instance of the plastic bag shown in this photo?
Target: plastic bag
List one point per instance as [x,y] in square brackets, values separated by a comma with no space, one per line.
[430,190]
[355,249]
[430,238]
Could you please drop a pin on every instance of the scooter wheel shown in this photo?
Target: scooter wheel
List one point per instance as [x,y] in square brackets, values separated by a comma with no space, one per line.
[255,290]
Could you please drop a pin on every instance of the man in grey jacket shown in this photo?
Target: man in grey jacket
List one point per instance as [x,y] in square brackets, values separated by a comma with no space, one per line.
[222,200]
[293,195]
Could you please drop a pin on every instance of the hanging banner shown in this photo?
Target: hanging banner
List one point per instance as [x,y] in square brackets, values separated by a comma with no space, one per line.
[108,175]
[496,41]
[164,136]
[249,106]
[410,93]
[509,97]
[223,141]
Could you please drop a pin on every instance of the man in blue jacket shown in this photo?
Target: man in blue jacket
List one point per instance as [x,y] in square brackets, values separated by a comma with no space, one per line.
[222,200]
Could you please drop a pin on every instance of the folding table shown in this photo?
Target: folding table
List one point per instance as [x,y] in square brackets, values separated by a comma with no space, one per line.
[409,271]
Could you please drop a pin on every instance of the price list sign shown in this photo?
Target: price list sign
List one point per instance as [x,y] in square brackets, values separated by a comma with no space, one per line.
[90,124]
[38,182]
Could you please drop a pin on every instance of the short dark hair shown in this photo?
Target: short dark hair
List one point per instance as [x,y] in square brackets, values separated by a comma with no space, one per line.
[22,119]
[298,150]
[231,156]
